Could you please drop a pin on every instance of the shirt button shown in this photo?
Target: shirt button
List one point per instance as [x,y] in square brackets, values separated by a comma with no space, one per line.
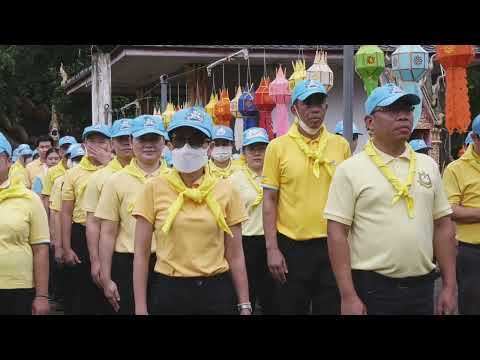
[199,283]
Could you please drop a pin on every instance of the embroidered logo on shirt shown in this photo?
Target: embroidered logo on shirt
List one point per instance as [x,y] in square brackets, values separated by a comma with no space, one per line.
[424,179]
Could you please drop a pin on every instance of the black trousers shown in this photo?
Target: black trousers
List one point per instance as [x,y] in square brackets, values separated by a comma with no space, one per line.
[388,296]
[468,278]
[82,296]
[122,275]
[192,296]
[260,283]
[310,280]
[16,301]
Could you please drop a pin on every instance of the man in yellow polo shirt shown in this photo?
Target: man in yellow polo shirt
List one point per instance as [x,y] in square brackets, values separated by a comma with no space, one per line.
[462,182]
[39,166]
[120,132]
[387,216]
[85,297]
[297,173]
[18,173]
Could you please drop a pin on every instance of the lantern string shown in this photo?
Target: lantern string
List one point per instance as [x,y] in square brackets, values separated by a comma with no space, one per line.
[186,92]
[239,84]
[223,76]
[197,95]
[264,64]
[170,92]
[213,81]
[178,94]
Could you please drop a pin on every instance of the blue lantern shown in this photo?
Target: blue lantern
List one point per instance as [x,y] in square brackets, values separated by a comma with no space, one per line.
[247,108]
[409,65]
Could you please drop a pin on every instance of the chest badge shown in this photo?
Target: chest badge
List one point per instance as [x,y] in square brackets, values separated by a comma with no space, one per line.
[424,179]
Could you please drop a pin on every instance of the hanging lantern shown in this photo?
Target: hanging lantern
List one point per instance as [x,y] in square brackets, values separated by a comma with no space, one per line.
[369,65]
[321,71]
[238,128]
[247,108]
[281,95]
[167,114]
[265,105]
[221,110]
[210,107]
[409,65]
[455,59]
[299,74]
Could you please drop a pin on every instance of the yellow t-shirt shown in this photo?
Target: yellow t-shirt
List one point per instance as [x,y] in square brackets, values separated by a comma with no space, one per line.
[95,185]
[36,168]
[254,224]
[301,195]
[19,175]
[383,238]
[23,223]
[214,170]
[116,202]
[55,198]
[462,183]
[73,189]
[53,173]
[195,245]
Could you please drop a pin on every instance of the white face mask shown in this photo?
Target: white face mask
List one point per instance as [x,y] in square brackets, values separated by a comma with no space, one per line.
[304,126]
[188,159]
[222,153]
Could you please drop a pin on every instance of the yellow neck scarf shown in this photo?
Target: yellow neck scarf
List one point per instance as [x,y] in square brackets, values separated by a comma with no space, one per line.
[87,165]
[402,189]
[115,165]
[201,194]
[57,170]
[472,157]
[13,191]
[218,171]
[317,156]
[251,178]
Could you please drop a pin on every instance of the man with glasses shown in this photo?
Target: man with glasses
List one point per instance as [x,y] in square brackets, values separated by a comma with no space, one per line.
[387,216]
[297,173]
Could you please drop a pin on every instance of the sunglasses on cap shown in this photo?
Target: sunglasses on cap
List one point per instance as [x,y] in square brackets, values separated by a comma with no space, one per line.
[195,140]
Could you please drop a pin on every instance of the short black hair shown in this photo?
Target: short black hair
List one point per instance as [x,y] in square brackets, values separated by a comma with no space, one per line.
[44,138]
[52,150]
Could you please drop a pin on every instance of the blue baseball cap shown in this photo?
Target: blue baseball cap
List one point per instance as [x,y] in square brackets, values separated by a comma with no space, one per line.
[468,139]
[5,146]
[23,150]
[222,132]
[306,88]
[194,117]
[76,150]
[122,127]
[476,125]
[339,129]
[386,95]
[419,144]
[67,140]
[255,135]
[98,128]
[147,124]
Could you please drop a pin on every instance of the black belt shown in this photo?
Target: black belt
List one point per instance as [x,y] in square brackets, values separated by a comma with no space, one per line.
[468,245]
[400,282]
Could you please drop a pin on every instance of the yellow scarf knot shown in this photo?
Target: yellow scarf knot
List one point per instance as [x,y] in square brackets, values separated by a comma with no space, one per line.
[14,191]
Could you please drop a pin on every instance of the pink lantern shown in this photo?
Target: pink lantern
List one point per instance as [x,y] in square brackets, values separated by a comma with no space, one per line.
[281,94]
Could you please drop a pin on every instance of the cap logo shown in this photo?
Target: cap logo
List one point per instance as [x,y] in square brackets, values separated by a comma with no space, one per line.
[195,115]
[254,133]
[97,126]
[312,84]
[149,123]
[395,90]
[125,125]
[221,131]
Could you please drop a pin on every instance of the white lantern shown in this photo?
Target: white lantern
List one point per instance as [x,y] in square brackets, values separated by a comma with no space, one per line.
[320,70]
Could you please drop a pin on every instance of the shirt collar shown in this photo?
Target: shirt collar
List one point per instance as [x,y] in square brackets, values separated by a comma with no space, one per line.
[306,139]
[389,158]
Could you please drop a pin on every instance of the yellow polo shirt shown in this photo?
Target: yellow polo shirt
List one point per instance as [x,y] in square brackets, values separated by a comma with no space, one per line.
[116,204]
[55,198]
[195,245]
[95,185]
[23,223]
[383,238]
[73,189]
[19,175]
[462,183]
[53,173]
[214,170]
[254,224]
[301,195]
[36,168]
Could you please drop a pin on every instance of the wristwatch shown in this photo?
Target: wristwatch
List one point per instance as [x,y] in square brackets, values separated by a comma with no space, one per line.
[247,306]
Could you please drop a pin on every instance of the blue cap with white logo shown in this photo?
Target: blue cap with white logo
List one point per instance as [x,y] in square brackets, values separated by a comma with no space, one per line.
[306,88]
[122,127]
[386,95]
[222,132]
[255,135]
[339,129]
[194,117]
[147,124]
[468,139]
[476,125]
[5,146]
[67,140]
[75,150]
[419,144]
[23,150]
[98,128]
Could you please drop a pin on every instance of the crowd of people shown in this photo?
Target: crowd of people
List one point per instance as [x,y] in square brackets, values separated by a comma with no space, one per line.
[142,219]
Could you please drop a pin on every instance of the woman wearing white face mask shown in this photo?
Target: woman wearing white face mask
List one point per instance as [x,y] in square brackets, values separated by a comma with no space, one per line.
[196,219]
[220,164]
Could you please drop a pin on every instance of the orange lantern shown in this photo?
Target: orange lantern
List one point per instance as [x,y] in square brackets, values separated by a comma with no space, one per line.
[222,113]
[455,59]
[265,105]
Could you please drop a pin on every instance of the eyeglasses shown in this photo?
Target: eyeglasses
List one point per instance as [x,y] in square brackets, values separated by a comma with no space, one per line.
[394,110]
[195,140]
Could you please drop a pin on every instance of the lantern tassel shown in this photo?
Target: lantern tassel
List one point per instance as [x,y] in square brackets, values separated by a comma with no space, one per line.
[282,119]
[457,101]
[370,84]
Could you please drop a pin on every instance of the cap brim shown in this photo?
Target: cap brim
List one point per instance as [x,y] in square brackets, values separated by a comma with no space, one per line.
[412,99]
[96,132]
[147,131]
[122,133]
[205,132]
[222,138]
[256,141]
[303,96]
